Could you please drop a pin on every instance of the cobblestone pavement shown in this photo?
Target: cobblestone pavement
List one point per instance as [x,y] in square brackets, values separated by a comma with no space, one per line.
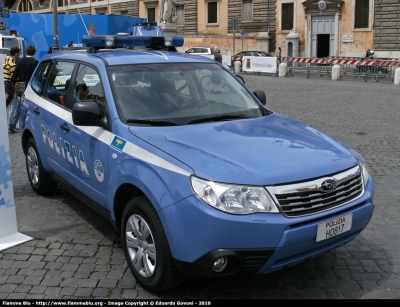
[75,254]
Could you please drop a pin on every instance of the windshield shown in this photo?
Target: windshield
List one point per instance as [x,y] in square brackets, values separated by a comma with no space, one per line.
[148,31]
[10,42]
[180,93]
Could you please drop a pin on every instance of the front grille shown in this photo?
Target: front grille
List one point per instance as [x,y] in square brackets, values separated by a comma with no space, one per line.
[308,197]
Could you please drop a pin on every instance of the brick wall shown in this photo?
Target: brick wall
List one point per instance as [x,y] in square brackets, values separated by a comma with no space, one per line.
[387,25]
[260,18]
[132,8]
[190,25]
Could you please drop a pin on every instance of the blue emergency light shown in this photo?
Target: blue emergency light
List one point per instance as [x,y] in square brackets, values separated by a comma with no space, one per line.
[126,41]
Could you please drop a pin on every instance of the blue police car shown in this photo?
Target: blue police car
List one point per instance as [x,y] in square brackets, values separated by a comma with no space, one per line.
[197,174]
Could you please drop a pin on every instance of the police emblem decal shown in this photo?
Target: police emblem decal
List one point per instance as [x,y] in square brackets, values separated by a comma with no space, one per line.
[99,170]
[118,143]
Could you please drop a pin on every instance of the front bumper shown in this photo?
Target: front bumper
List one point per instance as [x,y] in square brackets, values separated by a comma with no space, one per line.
[254,244]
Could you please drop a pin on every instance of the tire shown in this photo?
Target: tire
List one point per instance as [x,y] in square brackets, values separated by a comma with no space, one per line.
[146,247]
[39,179]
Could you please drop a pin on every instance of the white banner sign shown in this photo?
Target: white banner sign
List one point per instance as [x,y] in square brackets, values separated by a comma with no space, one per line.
[259,64]
[8,220]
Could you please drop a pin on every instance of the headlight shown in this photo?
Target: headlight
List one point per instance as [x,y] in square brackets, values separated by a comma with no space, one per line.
[364,171]
[235,199]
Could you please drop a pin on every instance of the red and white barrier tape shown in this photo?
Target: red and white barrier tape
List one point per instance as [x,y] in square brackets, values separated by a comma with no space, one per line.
[353,62]
[388,62]
[337,57]
[306,60]
[343,61]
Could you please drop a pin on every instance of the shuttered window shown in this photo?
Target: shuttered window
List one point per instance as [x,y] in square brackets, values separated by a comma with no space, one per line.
[247,10]
[180,14]
[212,12]
[151,14]
[287,16]
[361,12]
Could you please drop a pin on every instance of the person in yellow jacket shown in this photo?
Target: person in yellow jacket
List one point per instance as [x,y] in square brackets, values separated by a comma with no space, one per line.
[8,70]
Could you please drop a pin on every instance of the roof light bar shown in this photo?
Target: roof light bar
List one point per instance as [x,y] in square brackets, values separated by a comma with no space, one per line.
[124,41]
[147,24]
[176,41]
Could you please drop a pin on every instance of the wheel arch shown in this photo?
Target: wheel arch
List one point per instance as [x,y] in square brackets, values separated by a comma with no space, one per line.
[123,195]
[26,135]
[133,178]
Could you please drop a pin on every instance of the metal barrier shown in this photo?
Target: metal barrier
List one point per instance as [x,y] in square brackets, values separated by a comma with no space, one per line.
[319,67]
[358,67]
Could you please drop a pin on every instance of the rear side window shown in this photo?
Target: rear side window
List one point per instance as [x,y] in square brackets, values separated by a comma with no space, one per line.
[58,84]
[40,77]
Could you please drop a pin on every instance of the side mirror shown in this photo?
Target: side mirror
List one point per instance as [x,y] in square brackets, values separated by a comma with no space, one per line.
[86,114]
[261,96]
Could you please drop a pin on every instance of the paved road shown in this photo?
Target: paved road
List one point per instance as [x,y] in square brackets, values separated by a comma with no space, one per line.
[75,253]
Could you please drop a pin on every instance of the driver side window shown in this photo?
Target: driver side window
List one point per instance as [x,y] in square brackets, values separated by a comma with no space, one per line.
[87,87]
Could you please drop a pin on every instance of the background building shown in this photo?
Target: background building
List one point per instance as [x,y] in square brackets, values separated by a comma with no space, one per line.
[322,27]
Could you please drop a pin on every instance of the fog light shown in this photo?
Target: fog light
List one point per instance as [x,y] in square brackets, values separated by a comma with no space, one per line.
[220,264]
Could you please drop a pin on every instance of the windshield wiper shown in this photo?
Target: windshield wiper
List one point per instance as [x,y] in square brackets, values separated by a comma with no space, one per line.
[216,118]
[152,122]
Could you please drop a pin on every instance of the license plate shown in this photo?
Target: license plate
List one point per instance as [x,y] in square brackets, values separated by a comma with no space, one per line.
[334,227]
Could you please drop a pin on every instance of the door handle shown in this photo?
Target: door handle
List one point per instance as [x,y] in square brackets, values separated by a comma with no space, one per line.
[65,127]
[36,110]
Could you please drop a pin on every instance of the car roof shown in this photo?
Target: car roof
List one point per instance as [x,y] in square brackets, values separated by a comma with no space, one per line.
[129,56]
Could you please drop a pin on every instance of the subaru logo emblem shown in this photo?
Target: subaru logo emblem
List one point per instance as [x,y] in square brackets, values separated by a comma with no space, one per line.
[328,185]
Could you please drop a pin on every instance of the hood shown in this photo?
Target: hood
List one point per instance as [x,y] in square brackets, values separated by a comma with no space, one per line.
[262,151]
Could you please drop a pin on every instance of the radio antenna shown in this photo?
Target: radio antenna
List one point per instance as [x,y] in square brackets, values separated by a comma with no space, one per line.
[83,21]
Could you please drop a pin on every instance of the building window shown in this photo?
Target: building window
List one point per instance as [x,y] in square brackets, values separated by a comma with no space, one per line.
[212,12]
[247,10]
[180,14]
[124,13]
[151,14]
[61,3]
[101,10]
[361,11]
[287,16]
[25,6]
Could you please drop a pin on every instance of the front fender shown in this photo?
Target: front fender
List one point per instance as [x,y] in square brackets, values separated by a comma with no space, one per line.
[161,186]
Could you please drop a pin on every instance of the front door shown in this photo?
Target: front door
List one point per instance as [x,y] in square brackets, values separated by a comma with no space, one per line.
[322,36]
[86,148]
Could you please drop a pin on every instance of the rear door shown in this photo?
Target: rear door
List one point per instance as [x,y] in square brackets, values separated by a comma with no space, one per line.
[50,108]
